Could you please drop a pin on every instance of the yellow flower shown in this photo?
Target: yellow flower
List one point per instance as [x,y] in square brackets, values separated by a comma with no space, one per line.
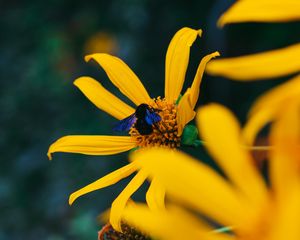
[241,200]
[166,133]
[269,64]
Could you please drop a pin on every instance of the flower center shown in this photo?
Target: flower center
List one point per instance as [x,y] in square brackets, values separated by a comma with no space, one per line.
[165,131]
[128,233]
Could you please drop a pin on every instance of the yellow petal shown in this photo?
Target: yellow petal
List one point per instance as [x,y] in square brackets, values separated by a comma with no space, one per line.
[256,122]
[102,98]
[122,77]
[285,156]
[195,88]
[286,224]
[104,216]
[177,60]
[105,181]
[186,106]
[155,196]
[119,203]
[269,64]
[266,107]
[261,11]
[222,134]
[92,145]
[185,112]
[174,224]
[275,97]
[193,183]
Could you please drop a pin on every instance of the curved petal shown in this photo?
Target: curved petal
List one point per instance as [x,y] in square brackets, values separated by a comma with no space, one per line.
[102,98]
[92,145]
[119,203]
[177,60]
[155,196]
[193,183]
[285,156]
[185,112]
[269,64]
[261,11]
[266,107]
[173,224]
[105,181]
[222,134]
[195,88]
[122,77]
[186,106]
[256,122]
[286,224]
[277,95]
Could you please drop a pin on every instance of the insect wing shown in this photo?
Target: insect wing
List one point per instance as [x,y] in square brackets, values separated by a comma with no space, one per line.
[125,124]
[152,117]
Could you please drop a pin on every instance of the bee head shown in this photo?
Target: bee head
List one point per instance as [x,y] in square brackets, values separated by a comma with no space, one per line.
[140,111]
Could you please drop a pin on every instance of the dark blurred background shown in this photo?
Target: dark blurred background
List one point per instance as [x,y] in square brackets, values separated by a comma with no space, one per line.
[42,45]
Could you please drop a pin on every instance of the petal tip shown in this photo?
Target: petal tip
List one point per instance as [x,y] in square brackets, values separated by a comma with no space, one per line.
[84,79]
[87,58]
[78,81]
[72,199]
[97,56]
[221,22]
[217,54]
[199,32]
[49,154]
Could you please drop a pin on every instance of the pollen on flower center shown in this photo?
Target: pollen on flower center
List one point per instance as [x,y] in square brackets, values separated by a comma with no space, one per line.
[165,131]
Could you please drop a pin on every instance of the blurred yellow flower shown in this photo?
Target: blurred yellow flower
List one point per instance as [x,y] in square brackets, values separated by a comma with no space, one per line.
[167,132]
[269,64]
[241,200]
[101,42]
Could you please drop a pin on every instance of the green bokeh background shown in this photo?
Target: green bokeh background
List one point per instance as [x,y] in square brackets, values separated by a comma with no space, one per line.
[42,48]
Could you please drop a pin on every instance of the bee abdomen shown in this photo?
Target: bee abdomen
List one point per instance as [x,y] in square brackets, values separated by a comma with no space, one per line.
[143,127]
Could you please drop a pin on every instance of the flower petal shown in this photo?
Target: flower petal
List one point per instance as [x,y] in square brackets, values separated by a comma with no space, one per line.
[155,196]
[222,134]
[195,88]
[92,145]
[102,98]
[185,112]
[105,181]
[119,203]
[186,106]
[193,183]
[261,11]
[122,77]
[270,64]
[285,156]
[174,224]
[265,108]
[277,95]
[256,122]
[285,172]
[177,60]
[286,224]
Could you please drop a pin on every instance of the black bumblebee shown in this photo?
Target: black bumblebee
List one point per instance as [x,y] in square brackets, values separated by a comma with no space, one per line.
[143,119]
